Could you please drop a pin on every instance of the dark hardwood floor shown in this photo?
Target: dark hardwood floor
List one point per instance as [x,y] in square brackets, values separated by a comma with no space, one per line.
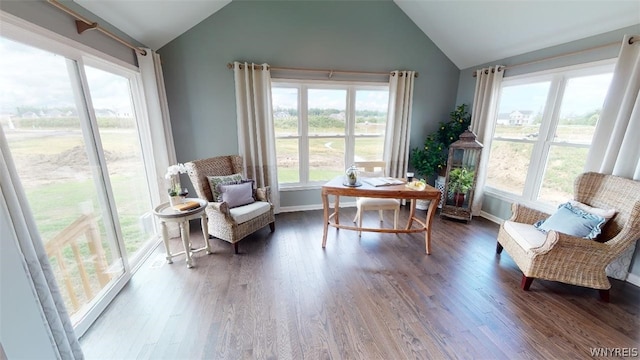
[375,297]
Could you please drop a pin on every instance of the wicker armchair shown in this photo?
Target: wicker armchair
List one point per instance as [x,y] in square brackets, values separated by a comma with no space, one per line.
[224,223]
[575,260]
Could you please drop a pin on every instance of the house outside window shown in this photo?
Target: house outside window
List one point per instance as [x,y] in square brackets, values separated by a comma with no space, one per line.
[322,127]
[543,131]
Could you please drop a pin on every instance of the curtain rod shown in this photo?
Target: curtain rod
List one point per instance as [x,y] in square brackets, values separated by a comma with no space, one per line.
[82,25]
[632,40]
[331,72]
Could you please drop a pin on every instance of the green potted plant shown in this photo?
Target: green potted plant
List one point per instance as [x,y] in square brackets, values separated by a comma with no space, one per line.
[432,157]
[460,182]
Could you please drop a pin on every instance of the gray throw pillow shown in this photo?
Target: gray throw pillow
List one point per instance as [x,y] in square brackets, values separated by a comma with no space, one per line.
[237,194]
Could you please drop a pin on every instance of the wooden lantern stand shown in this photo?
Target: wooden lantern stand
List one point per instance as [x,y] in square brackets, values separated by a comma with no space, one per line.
[464,156]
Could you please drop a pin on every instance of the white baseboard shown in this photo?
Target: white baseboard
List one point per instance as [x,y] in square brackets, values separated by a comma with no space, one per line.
[284,209]
[634,279]
[490,217]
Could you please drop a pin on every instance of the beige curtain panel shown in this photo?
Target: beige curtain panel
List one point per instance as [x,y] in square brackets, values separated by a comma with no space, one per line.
[256,137]
[396,142]
[483,114]
[615,148]
[157,108]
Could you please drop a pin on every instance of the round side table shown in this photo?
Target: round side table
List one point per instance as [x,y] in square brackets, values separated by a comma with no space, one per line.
[166,213]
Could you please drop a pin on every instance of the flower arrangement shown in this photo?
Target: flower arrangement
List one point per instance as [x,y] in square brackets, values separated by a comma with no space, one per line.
[173,175]
[432,157]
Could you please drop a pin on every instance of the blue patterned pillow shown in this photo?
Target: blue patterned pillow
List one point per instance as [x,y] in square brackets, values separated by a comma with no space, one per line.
[572,221]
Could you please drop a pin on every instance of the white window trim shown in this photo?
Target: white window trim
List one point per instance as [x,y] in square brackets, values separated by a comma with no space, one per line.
[303,140]
[550,118]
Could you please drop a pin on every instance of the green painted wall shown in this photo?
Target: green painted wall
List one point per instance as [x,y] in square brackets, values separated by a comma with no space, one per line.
[347,35]
[466,88]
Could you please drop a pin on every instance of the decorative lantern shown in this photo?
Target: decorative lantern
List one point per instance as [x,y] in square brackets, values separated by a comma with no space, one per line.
[460,181]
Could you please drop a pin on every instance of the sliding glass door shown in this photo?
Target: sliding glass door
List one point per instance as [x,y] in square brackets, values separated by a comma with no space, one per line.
[74,138]
[121,144]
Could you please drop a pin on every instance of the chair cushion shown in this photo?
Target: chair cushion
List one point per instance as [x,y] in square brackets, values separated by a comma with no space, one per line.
[377,202]
[526,235]
[572,221]
[214,181]
[237,194]
[247,212]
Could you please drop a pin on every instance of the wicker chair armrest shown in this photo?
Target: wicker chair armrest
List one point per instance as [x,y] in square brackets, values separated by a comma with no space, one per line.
[619,243]
[526,215]
[263,194]
[221,207]
[569,247]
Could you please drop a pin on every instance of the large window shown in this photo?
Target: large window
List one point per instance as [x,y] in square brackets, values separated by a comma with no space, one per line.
[543,131]
[77,142]
[321,128]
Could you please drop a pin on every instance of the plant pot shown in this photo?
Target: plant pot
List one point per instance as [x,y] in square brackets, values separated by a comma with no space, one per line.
[458,199]
[422,204]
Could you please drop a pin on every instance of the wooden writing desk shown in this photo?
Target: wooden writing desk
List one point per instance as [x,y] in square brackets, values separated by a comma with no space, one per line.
[336,188]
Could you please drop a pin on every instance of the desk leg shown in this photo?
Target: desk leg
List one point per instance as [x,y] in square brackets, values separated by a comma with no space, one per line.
[430,213]
[412,213]
[205,232]
[165,240]
[184,234]
[336,209]
[325,210]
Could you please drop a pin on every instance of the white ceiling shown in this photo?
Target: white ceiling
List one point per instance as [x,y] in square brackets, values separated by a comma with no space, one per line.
[469,32]
[153,23]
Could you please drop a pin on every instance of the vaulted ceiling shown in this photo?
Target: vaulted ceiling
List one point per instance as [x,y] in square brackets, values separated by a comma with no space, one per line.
[469,32]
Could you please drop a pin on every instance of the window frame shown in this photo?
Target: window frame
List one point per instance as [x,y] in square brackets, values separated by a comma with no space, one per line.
[558,79]
[349,135]
[19,30]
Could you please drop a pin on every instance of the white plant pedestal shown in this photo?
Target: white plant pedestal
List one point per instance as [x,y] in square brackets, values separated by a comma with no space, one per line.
[424,204]
[440,186]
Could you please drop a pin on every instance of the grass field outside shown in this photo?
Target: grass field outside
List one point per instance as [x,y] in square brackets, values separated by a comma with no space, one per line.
[58,179]
[326,154]
[509,161]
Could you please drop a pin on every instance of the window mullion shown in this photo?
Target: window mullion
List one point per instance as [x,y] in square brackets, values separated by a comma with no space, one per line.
[303,132]
[350,127]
